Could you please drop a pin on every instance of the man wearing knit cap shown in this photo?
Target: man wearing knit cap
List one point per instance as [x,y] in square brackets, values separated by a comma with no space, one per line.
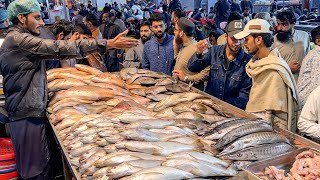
[183,36]
[227,80]
[22,65]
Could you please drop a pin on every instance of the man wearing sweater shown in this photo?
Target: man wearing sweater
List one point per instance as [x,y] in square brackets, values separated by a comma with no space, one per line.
[183,32]
[158,52]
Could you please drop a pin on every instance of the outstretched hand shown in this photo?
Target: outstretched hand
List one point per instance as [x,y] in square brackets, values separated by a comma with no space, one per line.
[121,42]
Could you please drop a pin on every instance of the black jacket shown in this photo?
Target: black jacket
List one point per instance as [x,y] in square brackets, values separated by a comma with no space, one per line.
[23,68]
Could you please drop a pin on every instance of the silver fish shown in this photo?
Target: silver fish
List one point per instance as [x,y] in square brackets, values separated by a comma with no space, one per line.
[145,81]
[111,148]
[89,153]
[93,158]
[259,153]
[126,73]
[128,117]
[165,81]
[75,161]
[79,151]
[191,124]
[151,124]
[140,135]
[242,131]
[254,140]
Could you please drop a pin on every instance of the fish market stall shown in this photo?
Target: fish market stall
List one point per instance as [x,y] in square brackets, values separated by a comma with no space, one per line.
[141,124]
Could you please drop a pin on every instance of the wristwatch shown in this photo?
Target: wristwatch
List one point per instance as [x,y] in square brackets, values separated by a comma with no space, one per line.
[186,78]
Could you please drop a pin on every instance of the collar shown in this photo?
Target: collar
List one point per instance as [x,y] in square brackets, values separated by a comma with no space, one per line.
[189,43]
[237,60]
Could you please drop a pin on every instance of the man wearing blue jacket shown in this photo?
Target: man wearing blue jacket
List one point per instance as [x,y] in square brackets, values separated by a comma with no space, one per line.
[158,52]
[228,79]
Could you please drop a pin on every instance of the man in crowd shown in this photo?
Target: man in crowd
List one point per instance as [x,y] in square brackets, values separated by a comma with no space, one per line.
[92,22]
[235,6]
[109,31]
[273,95]
[222,10]
[174,4]
[22,64]
[184,30]
[309,120]
[246,4]
[158,52]
[133,57]
[292,44]
[175,16]
[228,80]
[118,21]
[309,77]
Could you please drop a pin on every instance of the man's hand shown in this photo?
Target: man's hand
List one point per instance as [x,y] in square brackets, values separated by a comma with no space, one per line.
[202,46]
[294,66]
[179,74]
[120,42]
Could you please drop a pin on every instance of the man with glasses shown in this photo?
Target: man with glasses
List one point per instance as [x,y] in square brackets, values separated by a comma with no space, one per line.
[158,52]
[292,44]
[228,79]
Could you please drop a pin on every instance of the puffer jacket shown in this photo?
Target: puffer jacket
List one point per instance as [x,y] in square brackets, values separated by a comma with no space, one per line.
[23,68]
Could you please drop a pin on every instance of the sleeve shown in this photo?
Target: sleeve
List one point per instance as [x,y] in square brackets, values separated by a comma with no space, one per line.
[130,59]
[200,76]
[197,64]
[307,123]
[243,98]
[116,30]
[56,49]
[145,61]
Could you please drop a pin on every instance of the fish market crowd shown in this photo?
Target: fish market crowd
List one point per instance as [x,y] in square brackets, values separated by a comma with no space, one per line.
[160,93]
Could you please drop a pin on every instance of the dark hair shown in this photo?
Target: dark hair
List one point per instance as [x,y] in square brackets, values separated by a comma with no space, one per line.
[62,26]
[82,29]
[118,15]
[165,8]
[234,16]
[93,19]
[15,21]
[179,13]
[315,32]
[145,23]
[287,15]
[216,34]
[156,17]
[266,37]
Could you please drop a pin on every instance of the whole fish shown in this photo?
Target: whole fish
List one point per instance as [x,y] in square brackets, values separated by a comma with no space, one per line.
[191,124]
[157,97]
[102,142]
[176,99]
[193,155]
[160,173]
[165,81]
[212,118]
[186,140]
[92,138]
[128,168]
[158,148]
[90,109]
[189,107]
[93,158]
[149,74]
[79,151]
[89,153]
[214,106]
[254,140]
[139,91]
[67,122]
[199,168]
[67,112]
[190,115]
[63,84]
[85,119]
[75,161]
[65,69]
[174,130]
[156,90]
[126,73]
[112,87]
[111,148]
[166,113]
[114,138]
[151,105]
[177,88]
[112,102]
[69,102]
[242,131]
[259,153]
[139,99]
[215,124]
[140,135]
[88,69]
[70,74]
[151,124]
[132,117]
[106,78]
[145,81]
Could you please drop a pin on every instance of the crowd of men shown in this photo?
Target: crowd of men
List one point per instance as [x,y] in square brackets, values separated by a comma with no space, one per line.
[257,62]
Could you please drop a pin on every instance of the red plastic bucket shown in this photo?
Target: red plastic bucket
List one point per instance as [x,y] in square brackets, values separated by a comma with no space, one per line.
[8,169]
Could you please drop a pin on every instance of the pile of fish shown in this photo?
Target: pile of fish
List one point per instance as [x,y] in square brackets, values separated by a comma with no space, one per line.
[245,140]
[306,166]
[134,125]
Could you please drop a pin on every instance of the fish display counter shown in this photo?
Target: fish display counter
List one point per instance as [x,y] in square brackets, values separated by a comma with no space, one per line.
[139,124]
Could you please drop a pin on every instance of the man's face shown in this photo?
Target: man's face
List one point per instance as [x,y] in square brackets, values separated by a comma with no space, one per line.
[284,31]
[33,22]
[145,33]
[177,35]
[213,40]
[250,44]
[105,18]
[233,44]
[317,40]
[158,28]
[173,18]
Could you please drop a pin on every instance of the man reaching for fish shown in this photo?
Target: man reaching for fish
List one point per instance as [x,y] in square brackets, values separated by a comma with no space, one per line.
[228,79]
[25,85]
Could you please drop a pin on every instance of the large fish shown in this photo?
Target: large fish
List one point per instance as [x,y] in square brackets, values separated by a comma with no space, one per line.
[185,140]
[242,131]
[129,117]
[63,84]
[254,140]
[214,106]
[176,99]
[190,115]
[70,74]
[165,81]
[191,124]
[212,118]
[65,69]
[106,78]
[127,168]
[156,90]
[90,161]
[166,113]
[86,93]
[145,74]
[174,130]
[88,154]
[158,148]
[126,73]
[199,168]
[144,81]
[112,87]
[160,173]
[259,153]
[66,112]
[88,69]
[189,107]
[69,102]
[151,124]
[157,97]
[140,135]
[193,155]
[79,151]
[139,91]
[139,99]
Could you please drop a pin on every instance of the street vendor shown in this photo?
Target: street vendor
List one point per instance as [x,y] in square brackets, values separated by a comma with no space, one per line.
[273,95]
[22,65]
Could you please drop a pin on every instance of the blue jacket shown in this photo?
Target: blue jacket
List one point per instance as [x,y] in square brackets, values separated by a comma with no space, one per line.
[159,57]
[232,85]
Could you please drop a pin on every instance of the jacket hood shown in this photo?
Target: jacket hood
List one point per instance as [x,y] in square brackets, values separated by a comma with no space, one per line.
[168,39]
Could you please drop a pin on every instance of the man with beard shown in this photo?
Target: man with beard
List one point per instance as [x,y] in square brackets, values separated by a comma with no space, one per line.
[228,80]
[110,30]
[158,52]
[183,35]
[292,44]
[133,57]
[273,95]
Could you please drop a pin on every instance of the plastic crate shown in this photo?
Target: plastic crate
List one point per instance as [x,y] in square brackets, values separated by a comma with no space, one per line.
[6,149]
[8,169]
